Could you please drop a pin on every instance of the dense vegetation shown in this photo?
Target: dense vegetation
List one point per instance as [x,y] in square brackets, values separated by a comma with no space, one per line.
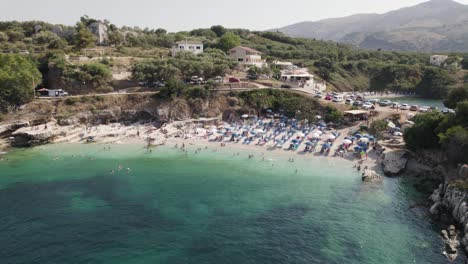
[448,132]
[343,67]
[211,63]
[18,77]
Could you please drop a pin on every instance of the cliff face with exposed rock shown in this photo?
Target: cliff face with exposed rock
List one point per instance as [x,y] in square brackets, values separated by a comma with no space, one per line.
[451,202]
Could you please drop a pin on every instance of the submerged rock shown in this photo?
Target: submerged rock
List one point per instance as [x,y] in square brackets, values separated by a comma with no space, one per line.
[394,162]
[451,241]
[371,176]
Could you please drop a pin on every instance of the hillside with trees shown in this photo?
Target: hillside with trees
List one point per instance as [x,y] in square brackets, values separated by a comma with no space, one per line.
[344,68]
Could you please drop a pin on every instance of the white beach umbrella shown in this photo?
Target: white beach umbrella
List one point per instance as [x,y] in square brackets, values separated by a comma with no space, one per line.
[331,137]
[300,134]
[245,116]
[318,132]
[259,131]
[347,141]
[391,125]
[318,117]
[315,135]
[398,134]
[365,140]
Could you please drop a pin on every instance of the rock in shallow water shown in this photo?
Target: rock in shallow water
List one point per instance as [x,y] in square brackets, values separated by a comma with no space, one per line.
[371,176]
[394,162]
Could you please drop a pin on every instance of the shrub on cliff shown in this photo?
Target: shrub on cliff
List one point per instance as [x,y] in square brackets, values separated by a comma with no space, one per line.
[18,78]
[455,96]
[455,144]
[422,135]
[377,127]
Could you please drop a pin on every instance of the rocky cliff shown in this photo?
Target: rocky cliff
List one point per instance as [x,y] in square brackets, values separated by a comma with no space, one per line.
[451,202]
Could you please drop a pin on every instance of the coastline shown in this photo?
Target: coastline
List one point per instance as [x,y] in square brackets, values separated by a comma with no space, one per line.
[179,133]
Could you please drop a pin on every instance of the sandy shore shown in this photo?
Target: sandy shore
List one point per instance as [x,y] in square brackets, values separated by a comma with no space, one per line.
[187,133]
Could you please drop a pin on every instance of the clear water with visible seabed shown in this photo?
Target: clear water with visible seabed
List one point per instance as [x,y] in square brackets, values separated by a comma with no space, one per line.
[61,204]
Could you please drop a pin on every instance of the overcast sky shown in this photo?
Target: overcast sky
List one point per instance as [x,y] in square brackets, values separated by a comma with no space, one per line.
[175,15]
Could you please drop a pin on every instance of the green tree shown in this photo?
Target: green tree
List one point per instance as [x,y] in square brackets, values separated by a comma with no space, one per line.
[455,96]
[116,38]
[83,37]
[422,135]
[18,78]
[253,70]
[15,35]
[228,41]
[152,70]
[218,30]
[461,113]
[174,88]
[455,144]
[52,40]
[3,37]
[377,127]
[435,83]
[465,62]
[332,114]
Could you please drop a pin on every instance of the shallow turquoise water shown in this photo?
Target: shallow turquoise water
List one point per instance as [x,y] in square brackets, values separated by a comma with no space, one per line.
[212,207]
[418,101]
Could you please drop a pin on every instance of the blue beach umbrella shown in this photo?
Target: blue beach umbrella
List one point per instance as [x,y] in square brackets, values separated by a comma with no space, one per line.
[295,141]
[269,111]
[309,144]
[326,145]
[357,148]
[362,145]
[358,135]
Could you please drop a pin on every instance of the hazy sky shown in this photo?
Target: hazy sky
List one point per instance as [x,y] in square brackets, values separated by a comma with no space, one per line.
[175,15]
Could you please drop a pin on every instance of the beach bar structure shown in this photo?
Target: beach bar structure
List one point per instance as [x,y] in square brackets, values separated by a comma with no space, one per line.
[357,114]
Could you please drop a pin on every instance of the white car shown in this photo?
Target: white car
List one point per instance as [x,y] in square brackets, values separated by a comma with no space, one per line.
[367,106]
[337,99]
[404,107]
[349,101]
[423,109]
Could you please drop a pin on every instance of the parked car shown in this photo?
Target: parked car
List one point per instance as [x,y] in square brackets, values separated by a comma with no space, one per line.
[337,99]
[367,106]
[414,108]
[404,107]
[329,97]
[318,95]
[349,101]
[252,77]
[286,86]
[218,79]
[374,101]
[423,109]
[396,105]
[448,111]
[385,103]
[358,103]
[234,80]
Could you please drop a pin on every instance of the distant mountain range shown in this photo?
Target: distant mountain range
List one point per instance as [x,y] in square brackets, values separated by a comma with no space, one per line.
[437,25]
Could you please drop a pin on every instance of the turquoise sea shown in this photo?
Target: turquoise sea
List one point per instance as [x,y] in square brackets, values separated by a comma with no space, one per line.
[418,101]
[61,204]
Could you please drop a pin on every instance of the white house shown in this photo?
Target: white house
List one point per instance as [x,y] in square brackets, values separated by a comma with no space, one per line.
[284,65]
[246,56]
[195,47]
[438,60]
[296,75]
